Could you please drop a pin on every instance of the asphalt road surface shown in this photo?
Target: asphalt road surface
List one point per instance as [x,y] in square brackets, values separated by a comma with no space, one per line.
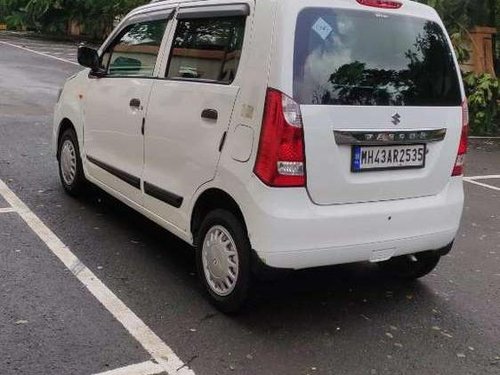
[337,320]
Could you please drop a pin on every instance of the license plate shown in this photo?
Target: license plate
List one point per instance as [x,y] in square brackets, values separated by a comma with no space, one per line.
[373,158]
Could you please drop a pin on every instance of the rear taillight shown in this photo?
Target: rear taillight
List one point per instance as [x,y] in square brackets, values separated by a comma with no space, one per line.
[280,158]
[387,4]
[458,169]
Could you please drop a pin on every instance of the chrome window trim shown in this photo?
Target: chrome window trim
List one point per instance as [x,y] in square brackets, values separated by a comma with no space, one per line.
[388,137]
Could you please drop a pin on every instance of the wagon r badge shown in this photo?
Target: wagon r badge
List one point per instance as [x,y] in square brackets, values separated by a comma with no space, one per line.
[396,119]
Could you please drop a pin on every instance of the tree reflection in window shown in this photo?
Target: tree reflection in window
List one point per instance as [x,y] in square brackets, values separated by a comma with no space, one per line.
[377,68]
[207,49]
[135,52]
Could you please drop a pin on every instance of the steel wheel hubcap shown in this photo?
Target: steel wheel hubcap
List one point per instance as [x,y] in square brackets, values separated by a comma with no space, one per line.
[220,261]
[68,162]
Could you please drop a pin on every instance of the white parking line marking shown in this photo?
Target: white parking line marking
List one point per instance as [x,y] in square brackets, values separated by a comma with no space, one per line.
[491,177]
[40,53]
[145,368]
[158,349]
[6,210]
[474,182]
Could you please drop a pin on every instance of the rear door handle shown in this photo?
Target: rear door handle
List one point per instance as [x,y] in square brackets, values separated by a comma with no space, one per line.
[210,114]
[135,103]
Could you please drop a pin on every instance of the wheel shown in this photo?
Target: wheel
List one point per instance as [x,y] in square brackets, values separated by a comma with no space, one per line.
[70,164]
[411,267]
[223,260]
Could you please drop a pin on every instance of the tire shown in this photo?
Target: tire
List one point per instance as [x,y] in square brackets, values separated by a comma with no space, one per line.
[408,268]
[224,272]
[70,164]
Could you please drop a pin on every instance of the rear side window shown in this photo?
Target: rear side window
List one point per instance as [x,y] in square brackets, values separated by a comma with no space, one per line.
[207,49]
[348,57]
[135,51]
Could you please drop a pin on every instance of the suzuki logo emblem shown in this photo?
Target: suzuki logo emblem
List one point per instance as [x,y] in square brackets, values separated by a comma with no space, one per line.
[396,119]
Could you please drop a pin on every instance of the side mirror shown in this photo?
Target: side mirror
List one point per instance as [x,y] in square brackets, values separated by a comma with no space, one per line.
[89,58]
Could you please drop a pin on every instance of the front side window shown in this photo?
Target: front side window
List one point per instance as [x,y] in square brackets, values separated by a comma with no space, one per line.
[135,51]
[207,49]
[347,57]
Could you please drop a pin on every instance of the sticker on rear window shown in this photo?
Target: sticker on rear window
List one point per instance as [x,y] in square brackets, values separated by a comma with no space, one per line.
[322,28]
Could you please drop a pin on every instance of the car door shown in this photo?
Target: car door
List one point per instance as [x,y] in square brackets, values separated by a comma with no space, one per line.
[190,110]
[115,105]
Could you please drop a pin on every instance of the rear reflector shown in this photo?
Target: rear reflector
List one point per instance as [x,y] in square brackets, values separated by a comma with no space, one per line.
[387,4]
[458,169]
[280,158]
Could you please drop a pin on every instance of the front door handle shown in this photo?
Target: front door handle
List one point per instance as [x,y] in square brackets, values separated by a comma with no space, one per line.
[135,103]
[210,114]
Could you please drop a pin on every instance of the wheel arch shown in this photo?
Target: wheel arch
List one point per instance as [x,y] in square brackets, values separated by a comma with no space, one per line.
[64,125]
[209,200]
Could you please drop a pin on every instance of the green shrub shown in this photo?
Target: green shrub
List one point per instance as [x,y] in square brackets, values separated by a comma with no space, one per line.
[53,16]
[483,93]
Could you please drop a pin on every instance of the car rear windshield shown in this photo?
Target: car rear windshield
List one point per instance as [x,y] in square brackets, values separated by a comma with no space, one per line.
[349,57]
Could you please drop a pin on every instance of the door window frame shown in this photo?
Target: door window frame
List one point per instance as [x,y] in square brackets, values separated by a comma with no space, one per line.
[164,14]
[188,12]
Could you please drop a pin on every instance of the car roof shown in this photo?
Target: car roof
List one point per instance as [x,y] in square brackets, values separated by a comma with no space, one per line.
[158,5]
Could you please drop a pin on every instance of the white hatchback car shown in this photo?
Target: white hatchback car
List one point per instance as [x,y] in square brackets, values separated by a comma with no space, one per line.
[275,134]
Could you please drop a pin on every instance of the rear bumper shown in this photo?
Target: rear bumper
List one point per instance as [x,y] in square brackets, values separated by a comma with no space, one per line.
[288,231]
